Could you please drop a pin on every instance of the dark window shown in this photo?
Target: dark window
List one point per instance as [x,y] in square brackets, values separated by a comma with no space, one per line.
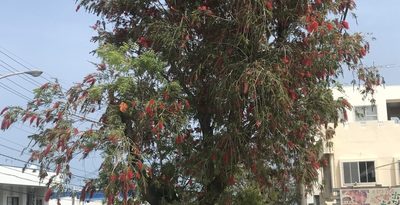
[12,200]
[393,110]
[359,172]
[366,113]
[39,202]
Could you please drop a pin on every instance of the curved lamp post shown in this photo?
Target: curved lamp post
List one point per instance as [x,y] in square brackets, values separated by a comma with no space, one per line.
[34,73]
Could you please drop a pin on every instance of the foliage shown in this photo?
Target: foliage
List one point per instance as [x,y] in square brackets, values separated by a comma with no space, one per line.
[191,93]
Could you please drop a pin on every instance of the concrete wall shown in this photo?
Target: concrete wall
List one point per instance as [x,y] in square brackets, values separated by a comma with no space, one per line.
[377,140]
[20,191]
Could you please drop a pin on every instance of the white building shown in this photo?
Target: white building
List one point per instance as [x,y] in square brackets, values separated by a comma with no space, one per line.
[364,161]
[21,188]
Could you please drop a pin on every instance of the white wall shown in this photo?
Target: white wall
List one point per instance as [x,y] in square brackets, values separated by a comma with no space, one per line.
[371,140]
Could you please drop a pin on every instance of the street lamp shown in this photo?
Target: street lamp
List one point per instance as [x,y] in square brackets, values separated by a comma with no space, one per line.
[34,73]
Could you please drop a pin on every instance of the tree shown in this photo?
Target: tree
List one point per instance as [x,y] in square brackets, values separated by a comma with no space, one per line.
[193,94]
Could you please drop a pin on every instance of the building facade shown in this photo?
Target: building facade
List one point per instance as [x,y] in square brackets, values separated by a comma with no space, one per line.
[364,155]
[21,188]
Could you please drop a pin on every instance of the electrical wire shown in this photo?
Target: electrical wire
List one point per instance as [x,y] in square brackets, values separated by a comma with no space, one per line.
[19,160]
[23,178]
[11,90]
[33,82]
[24,61]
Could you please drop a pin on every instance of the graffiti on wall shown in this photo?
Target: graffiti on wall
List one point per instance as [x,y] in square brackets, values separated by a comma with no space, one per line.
[373,196]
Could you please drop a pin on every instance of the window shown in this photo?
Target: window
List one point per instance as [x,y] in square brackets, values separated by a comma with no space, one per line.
[393,110]
[359,172]
[365,113]
[12,200]
[39,202]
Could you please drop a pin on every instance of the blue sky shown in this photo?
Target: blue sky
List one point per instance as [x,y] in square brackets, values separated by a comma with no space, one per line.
[50,35]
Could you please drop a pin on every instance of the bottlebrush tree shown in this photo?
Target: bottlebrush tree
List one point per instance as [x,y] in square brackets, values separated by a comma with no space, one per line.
[196,96]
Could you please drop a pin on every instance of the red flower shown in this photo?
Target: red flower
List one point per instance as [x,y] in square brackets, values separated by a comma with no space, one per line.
[307,62]
[269,5]
[329,26]
[139,165]
[160,125]
[290,144]
[345,24]
[202,8]
[113,178]
[143,41]
[308,74]
[318,1]
[48,194]
[254,168]
[312,26]
[315,165]
[179,139]
[363,52]
[293,95]
[285,60]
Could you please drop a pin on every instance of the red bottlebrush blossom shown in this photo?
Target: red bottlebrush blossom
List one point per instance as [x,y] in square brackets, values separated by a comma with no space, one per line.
[149,111]
[345,117]
[363,52]
[285,60]
[48,194]
[113,178]
[307,62]
[258,123]
[122,177]
[187,104]
[269,5]
[329,26]
[179,139]
[139,165]
[312,26]
[315,165]
[47,150]
[4,110]
[58,168]
[110,199]
[308,74]
[290,144]
[160,125]
[202,8]
[346,103]
[129,174]
[143,41]
[345,24]
[253,168]
[293,95]
[245,88]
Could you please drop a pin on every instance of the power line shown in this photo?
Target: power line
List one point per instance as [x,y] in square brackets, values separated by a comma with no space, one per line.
[19,160]
[10,148]
[22,64]
[33,82]
[11,90]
